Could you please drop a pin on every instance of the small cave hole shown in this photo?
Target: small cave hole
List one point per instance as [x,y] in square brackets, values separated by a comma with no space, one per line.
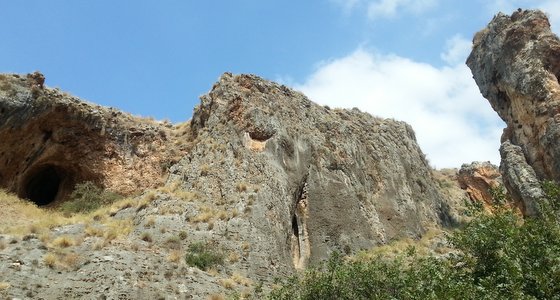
[296,245]
[261,135]
[295,227]
[43,187]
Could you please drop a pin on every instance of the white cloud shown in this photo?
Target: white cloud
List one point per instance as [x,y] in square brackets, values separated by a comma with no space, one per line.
[390,8]
[387,8]
[453,123]
[457,49]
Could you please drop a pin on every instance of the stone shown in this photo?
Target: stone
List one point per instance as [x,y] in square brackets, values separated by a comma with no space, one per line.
[326,179]
[478,179]
[520,178]
[515,62]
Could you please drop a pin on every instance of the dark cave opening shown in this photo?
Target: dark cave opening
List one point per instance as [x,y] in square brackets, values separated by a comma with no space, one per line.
[295,227]
[43,187]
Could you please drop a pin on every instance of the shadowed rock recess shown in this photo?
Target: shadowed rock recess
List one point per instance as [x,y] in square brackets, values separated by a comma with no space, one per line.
[516,63]
[51,141]
[268,178]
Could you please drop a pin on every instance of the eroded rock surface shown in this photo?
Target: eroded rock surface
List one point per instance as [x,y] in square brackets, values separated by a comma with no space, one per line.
[327,179]
[270,179]
[478,179]
[516,63]
[52,140]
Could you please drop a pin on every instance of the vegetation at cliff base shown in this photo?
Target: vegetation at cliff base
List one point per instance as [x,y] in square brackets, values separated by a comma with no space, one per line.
[87,197]
[498,256]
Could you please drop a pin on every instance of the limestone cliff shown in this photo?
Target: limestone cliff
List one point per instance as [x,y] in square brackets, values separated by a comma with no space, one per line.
[267,177]
[515,61]
[326,179]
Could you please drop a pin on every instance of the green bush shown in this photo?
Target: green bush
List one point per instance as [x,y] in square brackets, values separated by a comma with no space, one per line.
[501,256]
[87,197]
[202,256]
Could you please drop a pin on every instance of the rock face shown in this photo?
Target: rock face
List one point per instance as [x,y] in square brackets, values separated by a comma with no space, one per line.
[51,141]
[324,179]
[478,179]
[270,179]
[516,63]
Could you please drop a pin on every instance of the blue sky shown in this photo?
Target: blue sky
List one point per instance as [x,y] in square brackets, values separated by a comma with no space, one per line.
[401,59]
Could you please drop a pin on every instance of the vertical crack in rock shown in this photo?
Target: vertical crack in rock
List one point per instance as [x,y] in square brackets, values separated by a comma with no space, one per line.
[301,250]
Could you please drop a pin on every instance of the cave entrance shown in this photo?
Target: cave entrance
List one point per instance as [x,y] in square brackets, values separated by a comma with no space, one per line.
[44,186]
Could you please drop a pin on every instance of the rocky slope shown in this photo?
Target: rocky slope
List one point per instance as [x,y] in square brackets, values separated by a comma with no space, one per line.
[515,62]
[268,178]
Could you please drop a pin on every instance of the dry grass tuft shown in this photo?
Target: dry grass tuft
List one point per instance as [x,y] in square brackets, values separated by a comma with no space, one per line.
[216,297]
[241,187]
[33,228]
[63,242]
[233,257]
[245,246]
[99,245]
[222,215]
[116,229]
[212,272]
[175,256]
[150,222]
[240,279]
[185,195]
[50,260]
[93,231]
[45,237]
[66,261]
[70,261]
[150,196]
[142,205]
[205,215]
[228,283]
[125,203]
[204,170]
[170,188]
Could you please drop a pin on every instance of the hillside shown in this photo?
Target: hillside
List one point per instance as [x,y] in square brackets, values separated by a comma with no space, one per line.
[261,183]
